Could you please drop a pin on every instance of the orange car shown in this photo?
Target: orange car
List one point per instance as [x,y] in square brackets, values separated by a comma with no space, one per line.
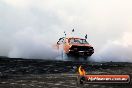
[76,46]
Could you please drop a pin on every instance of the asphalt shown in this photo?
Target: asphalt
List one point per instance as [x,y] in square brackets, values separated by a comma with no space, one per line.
[37,73]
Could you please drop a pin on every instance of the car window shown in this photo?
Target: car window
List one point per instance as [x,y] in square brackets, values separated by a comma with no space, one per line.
[78,41]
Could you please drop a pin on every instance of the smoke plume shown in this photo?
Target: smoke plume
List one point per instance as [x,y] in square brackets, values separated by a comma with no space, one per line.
[32,45]
[30,28]
[117,51]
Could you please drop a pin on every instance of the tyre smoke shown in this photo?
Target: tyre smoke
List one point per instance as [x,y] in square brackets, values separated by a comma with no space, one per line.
[29,44]
[116,51]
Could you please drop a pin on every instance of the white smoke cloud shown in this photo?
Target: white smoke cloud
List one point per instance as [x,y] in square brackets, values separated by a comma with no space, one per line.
[117,51]
[31,44]
[103,21]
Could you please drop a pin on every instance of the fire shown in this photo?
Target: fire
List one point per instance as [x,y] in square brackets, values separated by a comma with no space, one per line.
[81,71]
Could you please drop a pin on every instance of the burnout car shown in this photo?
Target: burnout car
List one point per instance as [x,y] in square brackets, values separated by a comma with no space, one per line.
[76,46]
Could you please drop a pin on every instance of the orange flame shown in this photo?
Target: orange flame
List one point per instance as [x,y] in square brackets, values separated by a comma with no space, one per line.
[81,71]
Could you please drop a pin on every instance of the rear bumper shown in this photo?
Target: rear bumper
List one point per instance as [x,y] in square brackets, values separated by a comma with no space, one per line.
[82,53]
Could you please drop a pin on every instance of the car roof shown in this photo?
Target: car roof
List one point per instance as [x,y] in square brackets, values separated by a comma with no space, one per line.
[74,38]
